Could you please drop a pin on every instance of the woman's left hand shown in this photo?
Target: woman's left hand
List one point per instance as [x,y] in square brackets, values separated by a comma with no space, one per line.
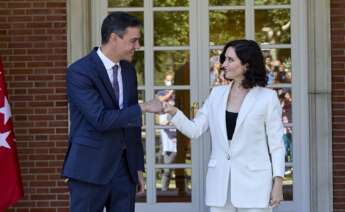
[277,192]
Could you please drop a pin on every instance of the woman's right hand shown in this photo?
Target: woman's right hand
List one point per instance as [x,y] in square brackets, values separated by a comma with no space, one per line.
[168,108]
[277,192]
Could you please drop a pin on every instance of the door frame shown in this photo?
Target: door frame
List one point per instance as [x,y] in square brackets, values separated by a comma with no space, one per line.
[320,98]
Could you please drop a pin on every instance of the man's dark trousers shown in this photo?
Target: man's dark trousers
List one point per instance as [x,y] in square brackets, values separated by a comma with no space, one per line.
[118,195]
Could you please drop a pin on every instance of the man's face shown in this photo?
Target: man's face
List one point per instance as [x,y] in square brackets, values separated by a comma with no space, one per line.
[126,46]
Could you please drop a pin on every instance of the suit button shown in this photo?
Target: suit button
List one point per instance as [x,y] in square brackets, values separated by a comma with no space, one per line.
[228,157]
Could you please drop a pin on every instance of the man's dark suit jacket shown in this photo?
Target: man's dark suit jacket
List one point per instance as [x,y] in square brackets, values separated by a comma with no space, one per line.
[99,130]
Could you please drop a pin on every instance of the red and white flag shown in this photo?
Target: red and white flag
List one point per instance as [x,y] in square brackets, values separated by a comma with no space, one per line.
[11,188]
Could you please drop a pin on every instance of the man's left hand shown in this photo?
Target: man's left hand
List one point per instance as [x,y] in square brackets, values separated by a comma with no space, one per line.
[141,185]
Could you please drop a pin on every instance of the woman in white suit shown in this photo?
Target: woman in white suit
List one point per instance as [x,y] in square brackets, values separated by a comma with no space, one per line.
[246,166]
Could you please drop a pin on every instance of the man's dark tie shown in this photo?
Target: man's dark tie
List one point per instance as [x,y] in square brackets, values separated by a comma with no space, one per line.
[116,84]
[117,93]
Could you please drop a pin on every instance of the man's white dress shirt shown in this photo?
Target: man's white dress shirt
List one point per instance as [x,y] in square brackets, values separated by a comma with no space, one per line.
[109,64]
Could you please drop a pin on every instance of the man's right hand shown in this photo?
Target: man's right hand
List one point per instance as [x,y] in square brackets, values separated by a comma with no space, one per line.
[152,106]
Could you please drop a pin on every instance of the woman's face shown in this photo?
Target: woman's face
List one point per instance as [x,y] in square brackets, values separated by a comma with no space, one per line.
[232,66]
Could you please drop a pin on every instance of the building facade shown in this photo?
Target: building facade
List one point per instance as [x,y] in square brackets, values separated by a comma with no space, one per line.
[303,42]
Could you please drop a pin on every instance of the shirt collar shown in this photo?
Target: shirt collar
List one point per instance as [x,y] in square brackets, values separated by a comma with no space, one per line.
[108,64]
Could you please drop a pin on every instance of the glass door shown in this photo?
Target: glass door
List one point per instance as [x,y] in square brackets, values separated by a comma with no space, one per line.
[166,69]
[178,63]
[268,22]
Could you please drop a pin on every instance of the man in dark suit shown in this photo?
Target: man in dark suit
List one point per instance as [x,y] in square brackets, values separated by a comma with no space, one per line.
[105,159]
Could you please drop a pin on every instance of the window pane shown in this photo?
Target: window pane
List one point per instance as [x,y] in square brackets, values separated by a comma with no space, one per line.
[139,63]
[278,66]
[143,197]
[287,137]
[143,139]
[285,98]
[141,97]
[171,3]
[174,185]
[166,143]
[288,184]
[271,2]
[125,3]
[169,141]
[175,63]
[226,26]
[171,28]
[171,146]
[226,2]
[273,26]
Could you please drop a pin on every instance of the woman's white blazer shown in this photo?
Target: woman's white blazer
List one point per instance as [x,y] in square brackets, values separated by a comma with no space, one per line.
[257,137]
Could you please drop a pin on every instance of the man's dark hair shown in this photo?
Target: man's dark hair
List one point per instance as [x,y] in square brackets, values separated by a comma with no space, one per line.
[117,22]
[249,53]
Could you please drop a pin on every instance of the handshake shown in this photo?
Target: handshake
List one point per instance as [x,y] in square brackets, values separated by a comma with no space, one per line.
[157,106]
